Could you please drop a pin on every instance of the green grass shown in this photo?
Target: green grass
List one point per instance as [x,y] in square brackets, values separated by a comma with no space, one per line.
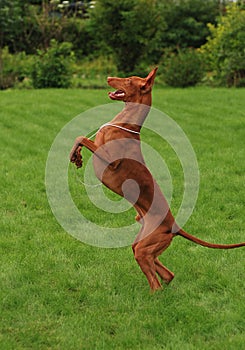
[58,293]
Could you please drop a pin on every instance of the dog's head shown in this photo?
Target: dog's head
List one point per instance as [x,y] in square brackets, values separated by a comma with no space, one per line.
[131,89]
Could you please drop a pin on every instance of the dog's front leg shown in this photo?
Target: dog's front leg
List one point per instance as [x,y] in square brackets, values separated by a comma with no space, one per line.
[75,155]
[103,154]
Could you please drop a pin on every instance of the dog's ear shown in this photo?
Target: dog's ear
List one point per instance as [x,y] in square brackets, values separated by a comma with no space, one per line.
[149,81]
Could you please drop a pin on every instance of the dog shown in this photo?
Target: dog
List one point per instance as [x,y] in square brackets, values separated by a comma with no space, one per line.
[119,165]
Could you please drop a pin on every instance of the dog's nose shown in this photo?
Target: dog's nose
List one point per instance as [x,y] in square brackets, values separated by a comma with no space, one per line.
[109,79]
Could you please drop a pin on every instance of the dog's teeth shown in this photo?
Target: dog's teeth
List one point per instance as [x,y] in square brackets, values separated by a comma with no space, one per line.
[119,94]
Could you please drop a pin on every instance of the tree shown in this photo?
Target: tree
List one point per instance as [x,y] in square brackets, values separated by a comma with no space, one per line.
[11,19]
[224,50]
[187,22]
[10,23]
[130,28]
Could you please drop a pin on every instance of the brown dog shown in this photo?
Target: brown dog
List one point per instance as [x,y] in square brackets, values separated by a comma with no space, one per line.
[119,164]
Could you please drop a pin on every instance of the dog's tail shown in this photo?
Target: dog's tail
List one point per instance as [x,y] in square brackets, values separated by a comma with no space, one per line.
[196,240]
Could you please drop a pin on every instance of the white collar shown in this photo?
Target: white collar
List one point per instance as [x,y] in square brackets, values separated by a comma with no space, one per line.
[120,127]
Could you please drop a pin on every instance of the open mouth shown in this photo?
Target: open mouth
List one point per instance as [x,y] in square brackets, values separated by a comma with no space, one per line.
[117,95]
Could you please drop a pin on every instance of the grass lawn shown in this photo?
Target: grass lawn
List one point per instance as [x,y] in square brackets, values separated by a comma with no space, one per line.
[59,293]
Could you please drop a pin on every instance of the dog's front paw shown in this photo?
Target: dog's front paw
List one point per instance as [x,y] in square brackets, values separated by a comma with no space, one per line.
[79,160]
[76,157]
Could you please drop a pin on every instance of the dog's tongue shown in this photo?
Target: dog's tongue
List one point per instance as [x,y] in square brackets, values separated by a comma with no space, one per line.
[116,94]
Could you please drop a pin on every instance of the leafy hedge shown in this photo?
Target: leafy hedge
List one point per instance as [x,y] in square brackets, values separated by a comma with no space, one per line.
[14,69]
[53,68]
[182,68]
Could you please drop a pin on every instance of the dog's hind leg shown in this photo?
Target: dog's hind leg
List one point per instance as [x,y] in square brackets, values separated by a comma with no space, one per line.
[165,274]
[146,252]
[147,265]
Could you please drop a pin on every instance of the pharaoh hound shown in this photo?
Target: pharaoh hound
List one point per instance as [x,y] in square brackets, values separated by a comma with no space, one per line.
[119,165]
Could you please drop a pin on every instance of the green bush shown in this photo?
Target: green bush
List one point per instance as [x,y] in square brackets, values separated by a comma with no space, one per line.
[53,68]
[93,73]
[224,51]
[15,69]
[183,68]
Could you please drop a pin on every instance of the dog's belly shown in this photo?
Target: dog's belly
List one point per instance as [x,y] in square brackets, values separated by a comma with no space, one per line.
[133,181]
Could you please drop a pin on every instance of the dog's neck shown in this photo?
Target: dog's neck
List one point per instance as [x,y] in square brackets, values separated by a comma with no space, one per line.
[133,115]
